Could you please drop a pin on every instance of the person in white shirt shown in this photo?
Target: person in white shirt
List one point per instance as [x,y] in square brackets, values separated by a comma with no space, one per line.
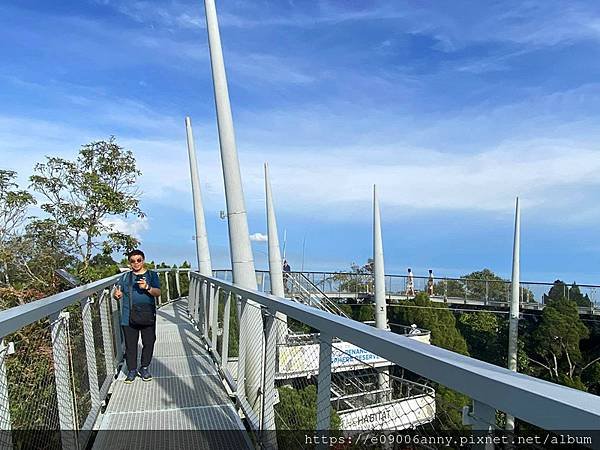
[410,284]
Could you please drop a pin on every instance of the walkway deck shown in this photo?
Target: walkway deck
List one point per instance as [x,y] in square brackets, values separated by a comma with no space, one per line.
[185,394]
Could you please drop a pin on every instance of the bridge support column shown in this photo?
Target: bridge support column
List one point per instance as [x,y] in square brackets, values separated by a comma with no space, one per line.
[5,423]
[64,393]
[90,350]
[275,264]
[324,385]
[242,261]
[513,325]
[109,359]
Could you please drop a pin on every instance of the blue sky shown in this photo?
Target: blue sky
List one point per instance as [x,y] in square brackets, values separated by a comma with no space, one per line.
[452,109]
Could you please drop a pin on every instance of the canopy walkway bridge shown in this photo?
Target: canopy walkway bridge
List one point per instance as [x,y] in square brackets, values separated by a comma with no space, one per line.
[237,367]
[74,396]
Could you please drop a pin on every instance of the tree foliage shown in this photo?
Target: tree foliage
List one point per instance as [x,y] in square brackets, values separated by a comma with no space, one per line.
[556,344]
[81,197]
[13,209]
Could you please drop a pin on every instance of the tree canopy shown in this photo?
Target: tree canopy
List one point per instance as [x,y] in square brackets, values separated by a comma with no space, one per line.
[81,197]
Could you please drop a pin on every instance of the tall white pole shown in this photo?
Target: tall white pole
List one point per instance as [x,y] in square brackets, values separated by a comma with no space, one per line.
[202,250]
[275,265]
[378,267]
[242,260]
[379,281]
[513,329]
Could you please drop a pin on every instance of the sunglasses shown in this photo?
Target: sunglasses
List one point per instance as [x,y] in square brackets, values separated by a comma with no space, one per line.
[137,260]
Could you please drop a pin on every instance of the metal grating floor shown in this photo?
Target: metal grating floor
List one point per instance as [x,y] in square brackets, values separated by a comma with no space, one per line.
[184,400]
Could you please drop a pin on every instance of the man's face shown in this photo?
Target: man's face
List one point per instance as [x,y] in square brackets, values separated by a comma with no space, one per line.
[136,262]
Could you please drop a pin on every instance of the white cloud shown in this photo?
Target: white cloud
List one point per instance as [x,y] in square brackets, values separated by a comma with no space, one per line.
[258,237]
[134,226]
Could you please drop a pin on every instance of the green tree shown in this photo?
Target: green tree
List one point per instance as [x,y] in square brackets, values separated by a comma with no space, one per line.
[13,209]
[297,409]
[81,196]
[485,284]
[555,349]
[358,280]
[558,291]
[576,296]
[444,333]
[486,336]
[434,317]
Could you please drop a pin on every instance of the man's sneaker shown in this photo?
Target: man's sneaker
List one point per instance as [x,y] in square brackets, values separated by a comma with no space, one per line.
[145,374]
[131,376]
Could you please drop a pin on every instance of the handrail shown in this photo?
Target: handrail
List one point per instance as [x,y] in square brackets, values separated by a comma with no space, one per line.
[15,318]
[437,278]
[331,304]
[517,394]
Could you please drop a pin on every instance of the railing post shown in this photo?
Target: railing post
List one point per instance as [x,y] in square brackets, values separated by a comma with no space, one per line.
[90,350]
[167,286]
[116,320]
[5,423]
[104,305]
[178,283]
[268,412]
[64,393]
[194,301]
[482,419]
[161,291]
[206,304]
[324,385]
[487,291]
[445,289]
[241,375]
[225,340]
[214,294]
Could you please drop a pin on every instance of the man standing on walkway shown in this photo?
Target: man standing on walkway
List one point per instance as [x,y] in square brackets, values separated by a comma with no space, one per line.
[137,290]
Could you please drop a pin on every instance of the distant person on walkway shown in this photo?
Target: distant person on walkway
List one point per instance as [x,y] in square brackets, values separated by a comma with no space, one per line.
[286,274]
[137,290]
[410,284]
[430,283]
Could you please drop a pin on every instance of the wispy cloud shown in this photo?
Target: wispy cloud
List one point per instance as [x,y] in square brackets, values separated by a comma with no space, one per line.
[258,237]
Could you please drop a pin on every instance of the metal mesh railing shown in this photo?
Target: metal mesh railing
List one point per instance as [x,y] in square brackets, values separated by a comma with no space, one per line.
[31,388]
[57,359]
[79,366]
[305,382]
